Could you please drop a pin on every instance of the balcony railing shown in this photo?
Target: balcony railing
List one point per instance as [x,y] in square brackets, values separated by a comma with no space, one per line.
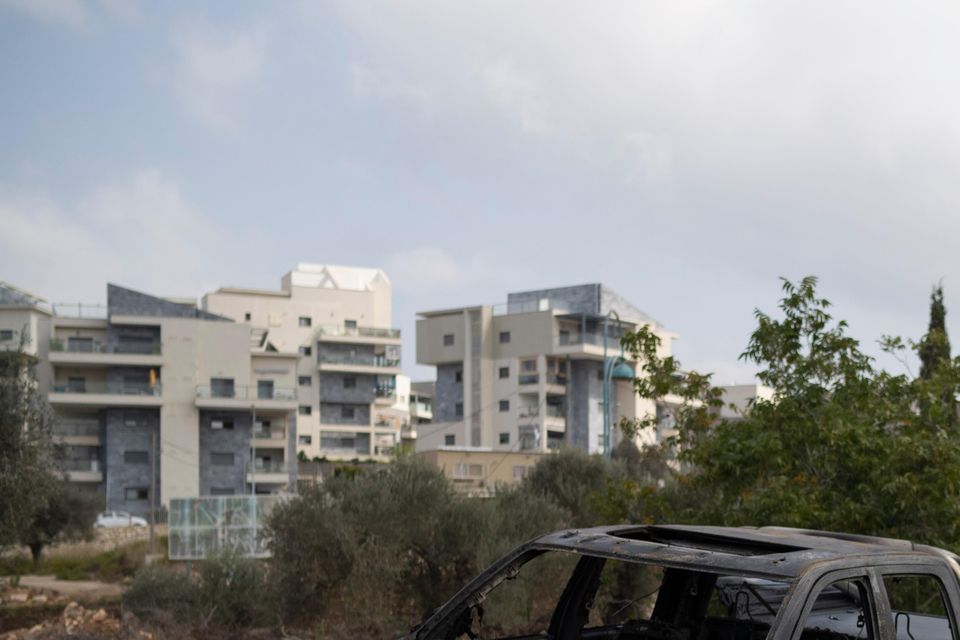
[550,410]
[100,347]
[528,306]
[420,407]
[385,392]
[79,310]
[560,380]
[363,332]
[566,339]
[80,465]
[77,429]
[267,467]
[112,388]
[241,392]
[528,378]
[554,411]
[270,434]
[364,360]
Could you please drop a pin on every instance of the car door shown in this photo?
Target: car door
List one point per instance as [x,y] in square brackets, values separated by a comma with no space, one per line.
[841,604]
[921,601]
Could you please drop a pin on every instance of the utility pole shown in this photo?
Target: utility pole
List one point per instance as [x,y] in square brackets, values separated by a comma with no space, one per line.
[153,486]
[253,457]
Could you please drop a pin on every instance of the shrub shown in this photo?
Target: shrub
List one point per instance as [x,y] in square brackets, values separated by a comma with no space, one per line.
[161,588]
[233,592]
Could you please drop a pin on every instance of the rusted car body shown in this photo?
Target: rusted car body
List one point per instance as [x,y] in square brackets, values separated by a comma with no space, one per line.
[707,583]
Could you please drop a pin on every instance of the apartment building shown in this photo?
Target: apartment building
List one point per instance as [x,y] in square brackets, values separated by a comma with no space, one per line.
[336,324]
[421,402]
[153,383]
[528,375]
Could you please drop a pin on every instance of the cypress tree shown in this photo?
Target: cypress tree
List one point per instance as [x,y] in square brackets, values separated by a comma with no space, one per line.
[935,346]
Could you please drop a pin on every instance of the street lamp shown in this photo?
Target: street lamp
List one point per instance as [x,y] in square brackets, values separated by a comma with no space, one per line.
[613,369]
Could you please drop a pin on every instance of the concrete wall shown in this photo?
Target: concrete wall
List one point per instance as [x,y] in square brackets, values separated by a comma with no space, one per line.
[584,415]
[130,430]
[236,441]
[430,332]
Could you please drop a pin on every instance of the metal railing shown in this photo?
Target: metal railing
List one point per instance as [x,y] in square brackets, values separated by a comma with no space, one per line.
[77,429]
[80,465]
[270,434]
[528,378]
[554,411]
[560,380]
[550,410]
[94,346]
[267,467]
[528,412]
[385,392]
[567,339]
[79,310]
[527,306]
[364,360]
[420,407]
[363,332]
[242,392]
[112,388]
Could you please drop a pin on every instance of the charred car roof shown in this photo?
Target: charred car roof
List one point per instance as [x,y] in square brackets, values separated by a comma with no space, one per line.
[774,552]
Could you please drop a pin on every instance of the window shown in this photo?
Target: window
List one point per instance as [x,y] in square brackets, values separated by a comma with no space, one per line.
[305,351]
[349,382]
[347,412]
[504,337]
[839,607]
[246,316]
[136,457]
[304,410]
[458,409]
[304,321]
[221,388]
[467,471]
[504,438]
[529,365]
[448,339]
[305,440]
[221,458]
[305,381]
[504,405]
[449,440]
[458,376]
[136,493]
[221,491]
[918,600]
[504,372]
[265,389]
[222,423]
[350,324]
[6,334]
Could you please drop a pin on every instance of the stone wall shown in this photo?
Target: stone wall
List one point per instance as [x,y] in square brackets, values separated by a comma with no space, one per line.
[235,441]
[130,430]
[448,392]
[332,389]
[332,413]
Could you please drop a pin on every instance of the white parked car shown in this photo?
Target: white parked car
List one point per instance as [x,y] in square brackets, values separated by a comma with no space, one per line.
[113,519]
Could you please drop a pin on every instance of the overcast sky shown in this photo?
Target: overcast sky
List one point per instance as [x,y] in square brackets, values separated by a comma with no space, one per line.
[687,154]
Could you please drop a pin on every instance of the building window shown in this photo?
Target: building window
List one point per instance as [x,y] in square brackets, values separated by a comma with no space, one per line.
[458,376]
[504,438]
[347,412]
[136,493]
[305,440]
[520,472]
[458,409]
[349,382]
[222,388]
[246,316]
[223,423]
[221,491]
[136,457]
[449,440]
[304,321]
[350,324]
[305,351]
[504,372]
[265,389]
[467,471]
[305,381]
[448,339]
[504,337]
[529,365]
[504,405]
[6,334]
[304,410]
[221,458]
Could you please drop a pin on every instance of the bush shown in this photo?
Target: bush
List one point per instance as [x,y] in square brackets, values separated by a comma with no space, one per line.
[159,588]
[233,592]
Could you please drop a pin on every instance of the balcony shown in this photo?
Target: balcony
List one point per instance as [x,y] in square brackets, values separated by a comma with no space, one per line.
[80,310]
[83,470]
[100,393]
[78,433]
[528,379]
[421,410]
[96,353]
[572,343]
[361,335]
[272,438]
[245,397]
[268,472]
[385,395]
[366,363]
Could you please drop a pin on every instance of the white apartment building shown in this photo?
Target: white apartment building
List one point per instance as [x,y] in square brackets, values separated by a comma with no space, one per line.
[152,383]
[528,375]
[335,322]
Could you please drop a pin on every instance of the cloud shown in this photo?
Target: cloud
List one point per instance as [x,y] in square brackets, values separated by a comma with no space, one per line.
[216,70]
[142,233]
[424,268]
[518,95]
[372,83]
[69,13]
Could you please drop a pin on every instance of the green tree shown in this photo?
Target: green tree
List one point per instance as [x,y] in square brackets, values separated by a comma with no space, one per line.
[840,445]
[67,514]
[937,386]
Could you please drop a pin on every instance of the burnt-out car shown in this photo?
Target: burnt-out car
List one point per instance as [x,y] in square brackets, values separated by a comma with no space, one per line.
[707,583]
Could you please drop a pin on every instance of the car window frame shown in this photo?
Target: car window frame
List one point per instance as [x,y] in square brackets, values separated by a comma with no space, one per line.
[874,600]
[950,590]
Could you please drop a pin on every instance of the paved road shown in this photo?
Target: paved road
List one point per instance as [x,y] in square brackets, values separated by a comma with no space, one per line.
[78,589]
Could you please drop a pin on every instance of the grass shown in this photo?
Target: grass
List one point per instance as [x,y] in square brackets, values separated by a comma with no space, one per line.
[108,566]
